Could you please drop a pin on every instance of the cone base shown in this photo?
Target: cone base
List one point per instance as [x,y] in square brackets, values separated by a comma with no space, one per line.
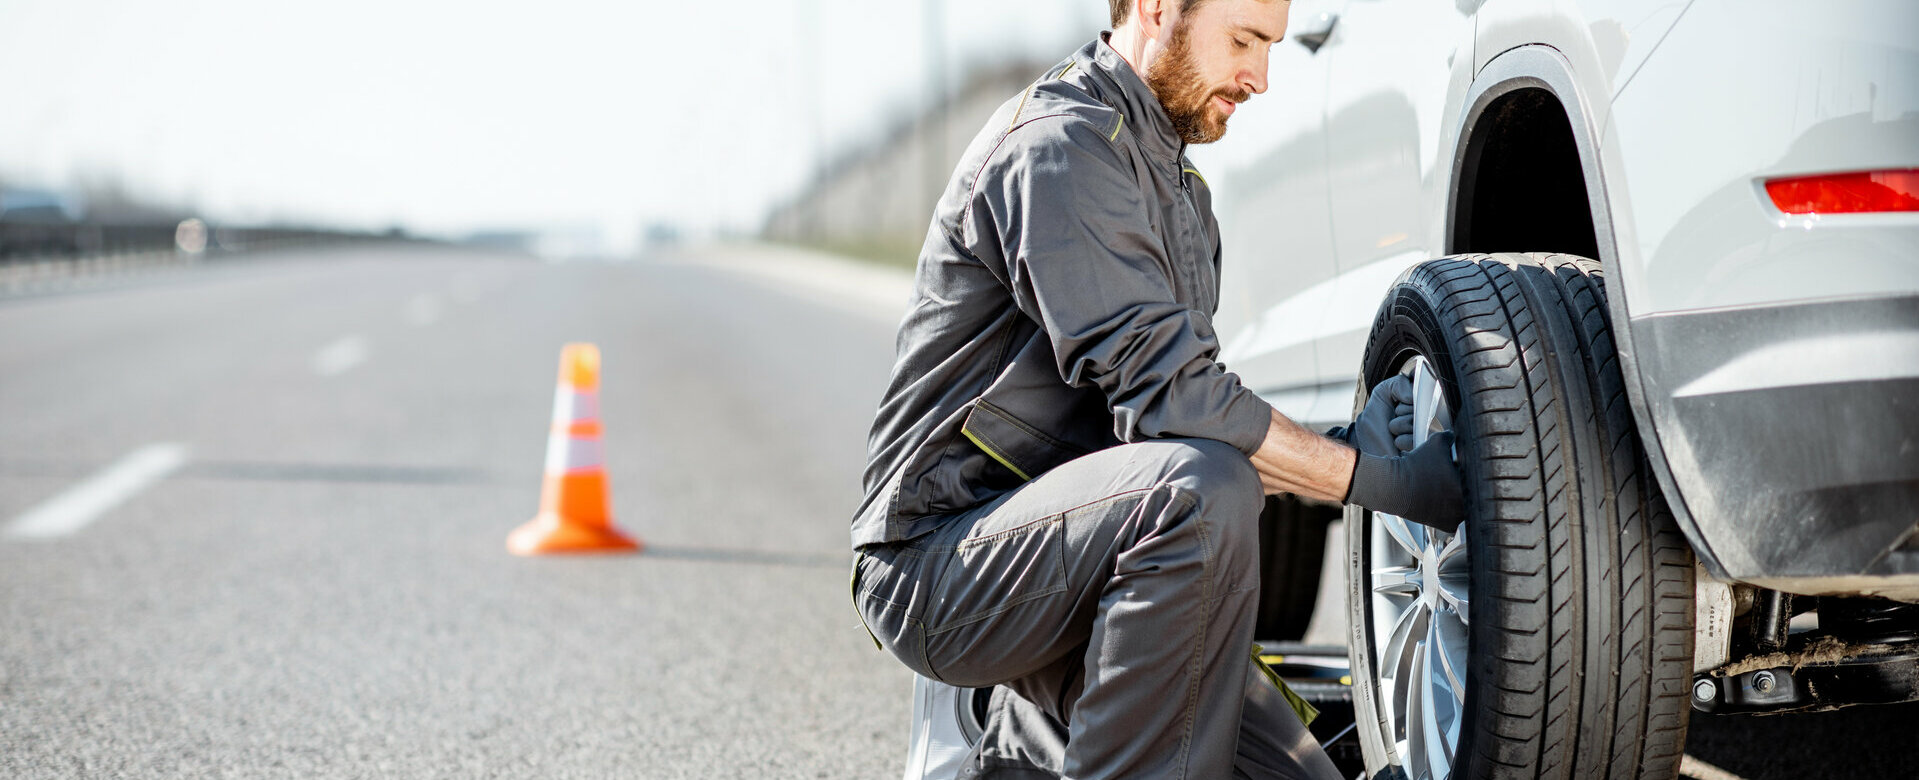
[550,535]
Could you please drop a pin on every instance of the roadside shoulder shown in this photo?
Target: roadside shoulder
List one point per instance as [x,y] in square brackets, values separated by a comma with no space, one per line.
[881,292]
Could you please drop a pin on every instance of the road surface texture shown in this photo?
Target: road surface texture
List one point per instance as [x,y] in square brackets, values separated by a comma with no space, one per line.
[271,498]
[320,586]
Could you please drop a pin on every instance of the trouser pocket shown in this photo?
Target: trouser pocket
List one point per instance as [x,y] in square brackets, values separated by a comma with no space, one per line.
[998,594]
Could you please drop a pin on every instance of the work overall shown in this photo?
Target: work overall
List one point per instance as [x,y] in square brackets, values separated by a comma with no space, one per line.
[1059,496]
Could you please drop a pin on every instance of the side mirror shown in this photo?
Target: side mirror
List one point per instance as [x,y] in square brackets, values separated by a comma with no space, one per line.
[1314,30]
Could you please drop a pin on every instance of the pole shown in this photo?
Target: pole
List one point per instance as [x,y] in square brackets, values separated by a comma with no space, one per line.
[935,162]
[811,221]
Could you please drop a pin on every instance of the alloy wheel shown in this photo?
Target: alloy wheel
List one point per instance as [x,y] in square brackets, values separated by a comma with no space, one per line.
[1420,590]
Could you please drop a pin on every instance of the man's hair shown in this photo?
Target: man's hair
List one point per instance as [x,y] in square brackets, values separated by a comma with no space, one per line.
[1124,8]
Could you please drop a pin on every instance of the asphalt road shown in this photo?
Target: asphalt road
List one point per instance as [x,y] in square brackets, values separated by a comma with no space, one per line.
[321,588]
[310,579]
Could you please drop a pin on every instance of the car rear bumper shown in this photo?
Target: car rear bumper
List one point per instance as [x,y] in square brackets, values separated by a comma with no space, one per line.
[1791,433]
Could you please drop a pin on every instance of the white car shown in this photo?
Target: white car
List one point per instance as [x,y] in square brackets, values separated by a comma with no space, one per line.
[1657,262]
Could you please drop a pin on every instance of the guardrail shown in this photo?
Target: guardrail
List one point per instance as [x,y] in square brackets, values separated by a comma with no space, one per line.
[43,255]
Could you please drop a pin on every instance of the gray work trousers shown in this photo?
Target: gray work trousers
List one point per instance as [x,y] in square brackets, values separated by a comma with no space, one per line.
[1114,594]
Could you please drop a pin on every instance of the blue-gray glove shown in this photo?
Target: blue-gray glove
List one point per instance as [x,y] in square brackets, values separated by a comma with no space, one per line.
[1402,427]
[1421,486]
[1374,433]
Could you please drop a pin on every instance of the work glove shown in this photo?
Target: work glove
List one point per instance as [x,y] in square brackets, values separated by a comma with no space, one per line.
[1402,427]
[1421,486]
[1388,411]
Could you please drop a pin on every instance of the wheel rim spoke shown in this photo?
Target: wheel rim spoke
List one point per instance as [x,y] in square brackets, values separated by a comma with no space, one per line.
[1455,577]
[1434,702]
[1400,664]
[1458,598]
[1396,581]
[1452,554]
[1415,712]
[1449,639]
[1409,536]
[1398,649]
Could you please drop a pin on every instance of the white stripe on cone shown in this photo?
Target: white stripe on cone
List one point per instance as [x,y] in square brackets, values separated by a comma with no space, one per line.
[567,453]
[571,406]
[573,454]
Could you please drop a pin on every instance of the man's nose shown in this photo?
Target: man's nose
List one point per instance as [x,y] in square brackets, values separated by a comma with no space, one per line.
[1254,78]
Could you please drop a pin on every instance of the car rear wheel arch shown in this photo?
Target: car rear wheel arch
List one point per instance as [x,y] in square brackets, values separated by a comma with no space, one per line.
[1535,85]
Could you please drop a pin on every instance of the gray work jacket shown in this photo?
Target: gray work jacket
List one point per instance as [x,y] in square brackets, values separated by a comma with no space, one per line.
[1063,304]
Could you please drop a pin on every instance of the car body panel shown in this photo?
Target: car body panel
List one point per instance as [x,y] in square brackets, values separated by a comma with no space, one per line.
[1398,69]
[1680,111]
[1778,354]
[1791,430]
[1606,41]
[1768,89]
[1277,187]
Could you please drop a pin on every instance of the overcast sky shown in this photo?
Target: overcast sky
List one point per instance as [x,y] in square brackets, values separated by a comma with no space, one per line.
[448,116]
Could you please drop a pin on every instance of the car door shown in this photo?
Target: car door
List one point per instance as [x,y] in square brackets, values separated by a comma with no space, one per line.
[1390,66]
[1276,231]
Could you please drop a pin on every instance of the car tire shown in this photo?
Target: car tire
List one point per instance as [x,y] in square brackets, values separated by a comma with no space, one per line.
[1292,551]
[1574,595]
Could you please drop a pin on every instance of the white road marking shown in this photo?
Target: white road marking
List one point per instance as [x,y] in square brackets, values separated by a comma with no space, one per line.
[83,503]
[342,354]
[423,309]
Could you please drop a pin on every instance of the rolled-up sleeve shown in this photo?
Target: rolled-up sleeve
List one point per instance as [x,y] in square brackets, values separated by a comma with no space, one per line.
[1071,234]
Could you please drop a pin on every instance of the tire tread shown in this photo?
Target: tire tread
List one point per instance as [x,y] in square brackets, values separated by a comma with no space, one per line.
[1582,634]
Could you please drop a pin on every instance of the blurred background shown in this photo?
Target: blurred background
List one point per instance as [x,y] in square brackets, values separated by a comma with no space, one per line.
[283,289]
[579,128]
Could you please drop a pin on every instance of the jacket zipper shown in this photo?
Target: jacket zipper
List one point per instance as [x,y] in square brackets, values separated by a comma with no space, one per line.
[1199,231]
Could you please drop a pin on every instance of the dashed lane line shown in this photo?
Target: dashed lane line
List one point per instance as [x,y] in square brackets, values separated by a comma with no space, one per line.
[343,354]
[85,502]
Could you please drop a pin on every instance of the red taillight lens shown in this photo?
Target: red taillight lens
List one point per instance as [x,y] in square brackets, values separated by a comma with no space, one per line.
[1847,193]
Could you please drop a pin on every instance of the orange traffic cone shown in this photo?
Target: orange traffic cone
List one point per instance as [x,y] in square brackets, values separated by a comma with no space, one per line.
[573,507]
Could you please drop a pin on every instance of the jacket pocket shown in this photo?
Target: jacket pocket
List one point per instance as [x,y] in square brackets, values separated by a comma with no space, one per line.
[1015,444]
[947,473]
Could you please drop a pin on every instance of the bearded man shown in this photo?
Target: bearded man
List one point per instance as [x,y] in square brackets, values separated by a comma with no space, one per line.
[1064,484]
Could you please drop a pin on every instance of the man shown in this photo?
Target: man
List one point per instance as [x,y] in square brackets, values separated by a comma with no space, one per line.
[1064,483]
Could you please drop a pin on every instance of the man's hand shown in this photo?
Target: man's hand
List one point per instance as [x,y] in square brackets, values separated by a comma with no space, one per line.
[1388,410]
[1402,425]
[1421,486]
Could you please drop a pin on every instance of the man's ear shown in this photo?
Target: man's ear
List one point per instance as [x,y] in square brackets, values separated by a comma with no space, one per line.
[1154,16]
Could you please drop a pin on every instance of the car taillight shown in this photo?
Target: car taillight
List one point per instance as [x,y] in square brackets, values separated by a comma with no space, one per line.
[1847,193]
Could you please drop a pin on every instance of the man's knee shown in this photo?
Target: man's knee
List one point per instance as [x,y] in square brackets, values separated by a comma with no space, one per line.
[1228,497]
[1219,474]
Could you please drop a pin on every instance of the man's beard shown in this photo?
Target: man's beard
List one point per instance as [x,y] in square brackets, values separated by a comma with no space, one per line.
[1188,101]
